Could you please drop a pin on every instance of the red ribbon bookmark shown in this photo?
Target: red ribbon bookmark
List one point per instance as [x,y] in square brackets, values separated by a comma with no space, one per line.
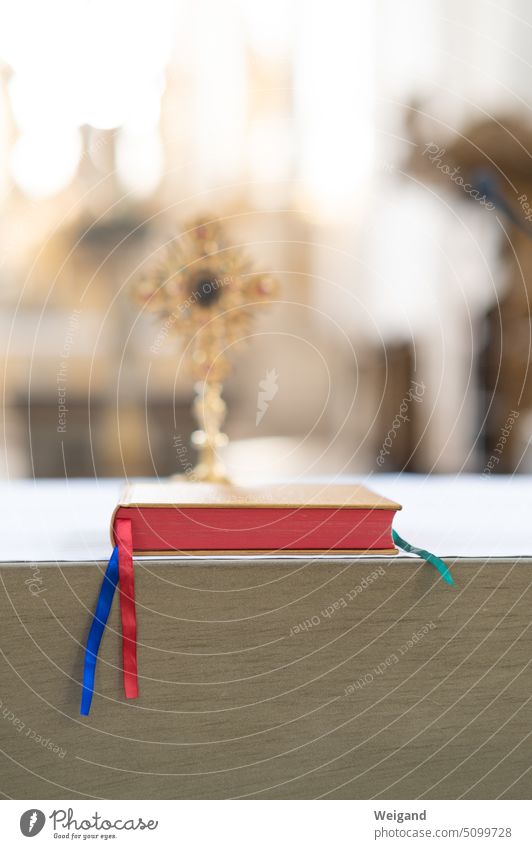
[127,606]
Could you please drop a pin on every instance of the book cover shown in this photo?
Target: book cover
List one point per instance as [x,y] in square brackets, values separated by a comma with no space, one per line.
[189,517]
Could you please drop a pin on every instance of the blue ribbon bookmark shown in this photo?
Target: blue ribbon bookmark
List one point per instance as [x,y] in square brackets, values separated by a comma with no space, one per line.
[101,615]
[425,555]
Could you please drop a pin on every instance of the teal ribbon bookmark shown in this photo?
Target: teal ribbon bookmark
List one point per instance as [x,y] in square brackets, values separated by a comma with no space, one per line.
[425,555]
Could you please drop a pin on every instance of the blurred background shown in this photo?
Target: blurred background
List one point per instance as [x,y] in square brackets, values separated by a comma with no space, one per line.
[375,156]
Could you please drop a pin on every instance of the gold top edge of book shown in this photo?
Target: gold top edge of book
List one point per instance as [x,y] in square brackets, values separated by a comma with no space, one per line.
[291,495]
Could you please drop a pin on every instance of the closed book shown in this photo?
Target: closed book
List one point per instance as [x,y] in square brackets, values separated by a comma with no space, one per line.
[185,517]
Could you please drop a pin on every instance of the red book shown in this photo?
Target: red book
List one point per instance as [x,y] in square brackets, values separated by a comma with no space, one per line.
[185,517]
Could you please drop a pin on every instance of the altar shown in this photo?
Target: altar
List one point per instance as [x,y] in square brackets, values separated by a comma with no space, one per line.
[266,677]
